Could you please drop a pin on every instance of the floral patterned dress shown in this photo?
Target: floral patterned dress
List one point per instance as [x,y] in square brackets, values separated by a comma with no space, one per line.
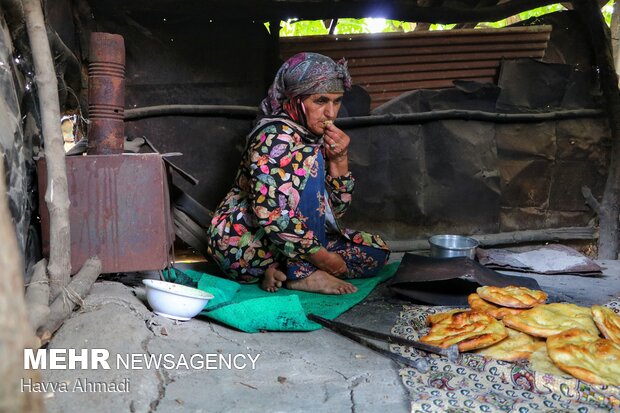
[268,217]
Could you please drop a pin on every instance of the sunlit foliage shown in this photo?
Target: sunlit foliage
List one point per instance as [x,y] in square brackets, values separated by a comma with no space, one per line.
[295,27]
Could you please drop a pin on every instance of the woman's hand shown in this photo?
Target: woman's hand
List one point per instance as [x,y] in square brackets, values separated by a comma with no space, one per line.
[329,262]
[336,150]
[336,142]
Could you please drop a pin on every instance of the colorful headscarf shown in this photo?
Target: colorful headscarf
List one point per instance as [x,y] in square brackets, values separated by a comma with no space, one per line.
[305,74]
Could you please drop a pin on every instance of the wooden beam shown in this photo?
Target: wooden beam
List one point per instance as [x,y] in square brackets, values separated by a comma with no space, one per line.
[267,10]
[507,238]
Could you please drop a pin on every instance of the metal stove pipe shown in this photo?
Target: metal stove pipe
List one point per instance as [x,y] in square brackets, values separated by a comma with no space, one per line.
[106,94]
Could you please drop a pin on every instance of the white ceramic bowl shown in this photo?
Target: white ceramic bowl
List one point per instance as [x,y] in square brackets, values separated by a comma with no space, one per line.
[175,301]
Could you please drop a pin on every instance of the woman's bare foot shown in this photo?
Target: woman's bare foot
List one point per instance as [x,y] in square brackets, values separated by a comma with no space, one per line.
[273,279]
[321,282]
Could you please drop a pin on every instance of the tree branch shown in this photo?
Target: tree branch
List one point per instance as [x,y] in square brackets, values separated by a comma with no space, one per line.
[501,238]
[590,200]
[475,115]
[57,195]
[71,296]
[249,112]
[38,295]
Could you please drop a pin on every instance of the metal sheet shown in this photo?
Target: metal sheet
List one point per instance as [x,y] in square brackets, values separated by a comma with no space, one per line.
[525,182]
[120,211]
[564,194]
[548,259]
[389,64]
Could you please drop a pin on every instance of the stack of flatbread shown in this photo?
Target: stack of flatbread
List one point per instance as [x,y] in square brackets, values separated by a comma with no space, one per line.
[514,323]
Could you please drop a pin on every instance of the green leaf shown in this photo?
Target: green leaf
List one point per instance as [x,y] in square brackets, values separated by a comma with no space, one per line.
[283,221]
[288,247]
[260,233]
[245,239]
[367,238]
[267,179]
[294,27]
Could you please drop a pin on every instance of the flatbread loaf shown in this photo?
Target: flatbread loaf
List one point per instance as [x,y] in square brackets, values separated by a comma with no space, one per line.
[586,356]
[608,322]
[518,346]
[469,329]
[549,319]
[478,304]
[432,319]
[512,296]
[540,362]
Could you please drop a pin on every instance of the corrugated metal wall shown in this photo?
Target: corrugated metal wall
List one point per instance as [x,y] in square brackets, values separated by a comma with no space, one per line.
[389,64]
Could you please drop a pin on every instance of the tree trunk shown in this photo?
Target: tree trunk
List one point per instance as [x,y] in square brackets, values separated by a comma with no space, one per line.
[15,331]
[38,296]
[71,296]
[609,208]
[56,196]
[615,34]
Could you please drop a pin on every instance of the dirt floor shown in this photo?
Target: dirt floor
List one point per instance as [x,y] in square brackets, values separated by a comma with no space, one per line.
[315,371]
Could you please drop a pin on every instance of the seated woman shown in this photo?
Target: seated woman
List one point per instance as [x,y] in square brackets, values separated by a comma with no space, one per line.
[278,222]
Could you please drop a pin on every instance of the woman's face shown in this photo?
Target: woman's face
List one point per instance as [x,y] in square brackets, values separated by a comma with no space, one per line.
[319,108]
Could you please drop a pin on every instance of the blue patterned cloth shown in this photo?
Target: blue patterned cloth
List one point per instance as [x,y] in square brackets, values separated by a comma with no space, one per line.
[362,261]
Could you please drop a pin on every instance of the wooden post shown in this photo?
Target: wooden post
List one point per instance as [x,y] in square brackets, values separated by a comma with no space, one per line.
[15,330]
[57,195]
[609,208]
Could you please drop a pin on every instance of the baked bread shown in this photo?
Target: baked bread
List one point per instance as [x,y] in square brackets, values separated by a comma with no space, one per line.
[549,319]
[468,329]
[586,356]
[478,304]
[540,362]
[518,346]
[432,319]
[512,296]
[607,322]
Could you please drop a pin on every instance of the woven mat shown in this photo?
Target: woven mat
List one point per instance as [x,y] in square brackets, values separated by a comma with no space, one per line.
[479,384]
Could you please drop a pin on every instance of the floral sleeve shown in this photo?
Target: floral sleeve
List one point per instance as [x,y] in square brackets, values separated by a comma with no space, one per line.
[278,166]
[340,191]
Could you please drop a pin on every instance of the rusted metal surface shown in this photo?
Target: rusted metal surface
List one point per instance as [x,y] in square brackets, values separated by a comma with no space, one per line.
[106,93]
[389,64]
[120,211]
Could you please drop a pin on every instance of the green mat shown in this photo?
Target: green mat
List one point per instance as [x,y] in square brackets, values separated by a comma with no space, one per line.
[249,308]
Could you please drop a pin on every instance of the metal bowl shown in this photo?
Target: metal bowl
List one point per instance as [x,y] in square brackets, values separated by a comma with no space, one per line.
[449,246]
